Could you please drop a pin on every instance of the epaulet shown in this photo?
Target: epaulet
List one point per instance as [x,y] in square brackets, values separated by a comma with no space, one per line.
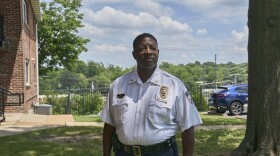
[123,76]
[172,76]
[167,74]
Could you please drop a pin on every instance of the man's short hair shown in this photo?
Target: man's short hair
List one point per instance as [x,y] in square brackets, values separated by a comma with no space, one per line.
[139,37]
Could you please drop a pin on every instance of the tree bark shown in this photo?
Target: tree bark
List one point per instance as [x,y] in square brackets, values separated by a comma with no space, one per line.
[262,135]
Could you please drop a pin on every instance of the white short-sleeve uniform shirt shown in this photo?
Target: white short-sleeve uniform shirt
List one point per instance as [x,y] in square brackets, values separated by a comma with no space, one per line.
[151,112]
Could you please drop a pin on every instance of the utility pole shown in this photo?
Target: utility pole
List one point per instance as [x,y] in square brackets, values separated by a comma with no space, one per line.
[215,71]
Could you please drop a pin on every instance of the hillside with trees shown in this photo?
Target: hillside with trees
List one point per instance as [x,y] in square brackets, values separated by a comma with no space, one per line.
[88,74]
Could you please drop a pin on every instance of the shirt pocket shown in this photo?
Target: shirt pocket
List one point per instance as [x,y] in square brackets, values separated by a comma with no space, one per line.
[160,111]
[120,109]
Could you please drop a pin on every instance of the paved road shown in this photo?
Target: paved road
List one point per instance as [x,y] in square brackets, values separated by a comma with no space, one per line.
[241,116]
[228,115]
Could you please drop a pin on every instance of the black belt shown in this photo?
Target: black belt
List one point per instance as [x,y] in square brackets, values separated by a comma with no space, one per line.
[137,150]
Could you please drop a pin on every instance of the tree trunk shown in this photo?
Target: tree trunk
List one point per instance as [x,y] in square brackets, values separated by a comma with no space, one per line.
[263,123]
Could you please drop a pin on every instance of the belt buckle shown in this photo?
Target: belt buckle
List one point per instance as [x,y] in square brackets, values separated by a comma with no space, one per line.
[136,151]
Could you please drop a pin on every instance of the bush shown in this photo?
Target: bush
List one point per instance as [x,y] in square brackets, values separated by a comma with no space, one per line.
[201,104]
[58,103]
[198,98]
[98,102]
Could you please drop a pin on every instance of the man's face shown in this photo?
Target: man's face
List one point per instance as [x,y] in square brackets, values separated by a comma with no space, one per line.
[146,53]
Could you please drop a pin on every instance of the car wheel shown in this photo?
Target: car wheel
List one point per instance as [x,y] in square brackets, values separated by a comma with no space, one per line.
[220,111]
[235,108]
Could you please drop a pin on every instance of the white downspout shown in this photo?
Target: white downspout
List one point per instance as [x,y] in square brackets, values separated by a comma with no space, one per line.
[37,63]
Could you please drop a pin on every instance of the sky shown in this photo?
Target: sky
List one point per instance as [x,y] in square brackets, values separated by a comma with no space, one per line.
[186,30]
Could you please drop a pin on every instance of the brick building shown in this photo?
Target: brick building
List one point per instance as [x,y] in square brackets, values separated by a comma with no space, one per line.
[18,51]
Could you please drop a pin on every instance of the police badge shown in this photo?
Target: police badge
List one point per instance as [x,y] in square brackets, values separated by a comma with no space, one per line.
[163,92]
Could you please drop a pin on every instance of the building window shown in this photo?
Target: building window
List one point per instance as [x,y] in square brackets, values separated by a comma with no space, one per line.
[24,11]
[27,73]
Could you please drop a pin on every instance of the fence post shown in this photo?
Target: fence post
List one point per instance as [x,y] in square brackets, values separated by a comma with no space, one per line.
[68,108]
[201,101]
[83,102]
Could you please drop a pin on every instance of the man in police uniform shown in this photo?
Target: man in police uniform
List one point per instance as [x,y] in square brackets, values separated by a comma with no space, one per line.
[146,107]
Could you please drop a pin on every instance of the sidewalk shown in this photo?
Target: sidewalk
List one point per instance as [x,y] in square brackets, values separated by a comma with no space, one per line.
[17,123]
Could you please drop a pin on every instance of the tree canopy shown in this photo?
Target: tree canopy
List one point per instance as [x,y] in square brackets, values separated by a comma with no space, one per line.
[58,42]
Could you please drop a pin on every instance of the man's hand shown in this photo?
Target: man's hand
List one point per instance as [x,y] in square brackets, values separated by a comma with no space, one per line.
[188,142]
[108,132]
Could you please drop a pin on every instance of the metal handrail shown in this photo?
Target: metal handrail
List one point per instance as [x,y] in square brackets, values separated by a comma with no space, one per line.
[2,106]
[4,94]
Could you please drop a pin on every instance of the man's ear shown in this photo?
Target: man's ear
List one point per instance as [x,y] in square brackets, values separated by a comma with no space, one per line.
[133,54]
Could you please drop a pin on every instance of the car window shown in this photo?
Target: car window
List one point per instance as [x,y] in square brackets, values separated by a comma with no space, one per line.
[220,89]
[241,89]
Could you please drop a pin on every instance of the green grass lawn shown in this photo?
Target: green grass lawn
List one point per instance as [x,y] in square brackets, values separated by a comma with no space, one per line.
[87,141]
[86,118]
[76,141]
[219,119]
[63,141]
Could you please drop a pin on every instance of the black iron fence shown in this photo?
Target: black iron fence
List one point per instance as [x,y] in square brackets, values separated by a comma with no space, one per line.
[200,95]
[88,101]
[74,101]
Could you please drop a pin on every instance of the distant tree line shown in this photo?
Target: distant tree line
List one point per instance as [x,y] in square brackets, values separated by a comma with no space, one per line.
[93,74]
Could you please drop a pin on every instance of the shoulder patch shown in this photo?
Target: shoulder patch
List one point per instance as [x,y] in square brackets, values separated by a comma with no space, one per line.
[188,97]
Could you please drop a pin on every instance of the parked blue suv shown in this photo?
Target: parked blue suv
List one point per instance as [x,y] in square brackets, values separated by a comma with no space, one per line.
[232,98]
